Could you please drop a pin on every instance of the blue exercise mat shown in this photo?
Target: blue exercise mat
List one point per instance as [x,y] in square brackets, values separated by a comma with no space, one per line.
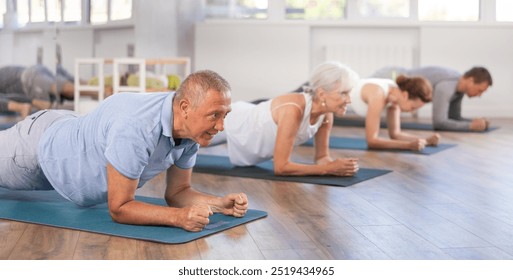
[361,144]
[4,126]
[404,125]
[49,208]
[220,165]
[361,123]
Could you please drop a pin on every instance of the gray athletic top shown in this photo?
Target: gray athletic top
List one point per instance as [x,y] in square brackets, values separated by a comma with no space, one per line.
[10,79]
[34,82]
[446,99]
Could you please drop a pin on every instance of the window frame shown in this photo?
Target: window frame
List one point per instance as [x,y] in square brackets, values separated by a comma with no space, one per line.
[479,14]
[276,13]
[46,21]
[352,13]
[109,14]
[85,16]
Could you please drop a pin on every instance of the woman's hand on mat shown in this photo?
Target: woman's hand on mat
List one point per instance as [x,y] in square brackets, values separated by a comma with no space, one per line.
[324,160]
[418,144]
[343,167]
[195,218]
[487,123]
[234,204]
[433,140]
[479,124]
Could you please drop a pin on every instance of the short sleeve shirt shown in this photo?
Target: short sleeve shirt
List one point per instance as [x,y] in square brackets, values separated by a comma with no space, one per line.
[132,132]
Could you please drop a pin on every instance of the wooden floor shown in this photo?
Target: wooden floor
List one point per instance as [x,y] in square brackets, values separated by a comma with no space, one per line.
[457,204]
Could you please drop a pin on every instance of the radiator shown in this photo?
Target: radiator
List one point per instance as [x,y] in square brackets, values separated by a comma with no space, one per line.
[366,59]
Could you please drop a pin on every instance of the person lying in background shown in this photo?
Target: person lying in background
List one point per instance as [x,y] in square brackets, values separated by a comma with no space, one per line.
[374,97]
[35,83]
[23,108]
[271,129]
[449,88]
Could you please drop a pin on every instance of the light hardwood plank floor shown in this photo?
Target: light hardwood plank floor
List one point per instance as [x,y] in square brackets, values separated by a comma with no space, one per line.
[456,204]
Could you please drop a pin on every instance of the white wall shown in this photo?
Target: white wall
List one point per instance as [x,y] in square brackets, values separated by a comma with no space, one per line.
[259,60]
[361,36]
[25,46]
[155,28]
[110,43]
[75,43]
[265,59]
[188,13]
[6,48]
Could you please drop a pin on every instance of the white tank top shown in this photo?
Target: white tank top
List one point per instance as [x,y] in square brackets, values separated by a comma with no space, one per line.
[251,131]
[357,104]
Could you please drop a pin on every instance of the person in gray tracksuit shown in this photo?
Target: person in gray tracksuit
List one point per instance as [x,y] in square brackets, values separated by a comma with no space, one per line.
[21,87]
[449,88]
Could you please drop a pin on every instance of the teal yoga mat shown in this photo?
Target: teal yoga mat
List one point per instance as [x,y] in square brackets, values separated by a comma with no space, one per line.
[49,208]
[360,144]
[220,165]
[404,125]
[4,126]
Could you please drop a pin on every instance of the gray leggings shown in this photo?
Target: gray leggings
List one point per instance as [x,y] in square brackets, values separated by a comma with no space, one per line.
[19,166]
[37,82]
[5,98]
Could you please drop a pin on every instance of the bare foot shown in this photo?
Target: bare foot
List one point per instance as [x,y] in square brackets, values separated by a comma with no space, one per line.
[41,104]
[23,109]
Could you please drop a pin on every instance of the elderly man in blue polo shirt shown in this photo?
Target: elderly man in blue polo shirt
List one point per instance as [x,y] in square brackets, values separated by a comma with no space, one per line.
[106,155]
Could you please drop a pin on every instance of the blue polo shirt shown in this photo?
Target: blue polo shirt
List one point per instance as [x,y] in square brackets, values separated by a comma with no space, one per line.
[133,132]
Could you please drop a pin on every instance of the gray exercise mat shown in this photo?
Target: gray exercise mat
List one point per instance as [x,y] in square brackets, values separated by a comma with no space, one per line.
[49,208]
[360,144]
[220,165]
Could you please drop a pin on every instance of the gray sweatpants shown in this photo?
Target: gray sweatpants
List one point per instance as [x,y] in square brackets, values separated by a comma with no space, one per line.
[4,105]
[19,166]
[37,82]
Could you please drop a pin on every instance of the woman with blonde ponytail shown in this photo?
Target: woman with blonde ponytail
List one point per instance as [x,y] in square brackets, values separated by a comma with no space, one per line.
[375,97]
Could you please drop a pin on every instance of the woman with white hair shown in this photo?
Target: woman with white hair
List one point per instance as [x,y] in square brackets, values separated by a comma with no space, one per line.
[271,129]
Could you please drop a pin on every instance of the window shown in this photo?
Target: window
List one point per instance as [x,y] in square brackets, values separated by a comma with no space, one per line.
[22,8]
[54,10]
[384,8]
[103,11]
[38,11]
[315,9]
[50,11]
[99,11]
[449,10]
[72,10]
[3,9]
[504,10]
[120,9]
[251,9]
[412,10]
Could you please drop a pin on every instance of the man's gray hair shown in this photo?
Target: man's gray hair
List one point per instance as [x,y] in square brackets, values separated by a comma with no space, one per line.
[329,75]
[197,84]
